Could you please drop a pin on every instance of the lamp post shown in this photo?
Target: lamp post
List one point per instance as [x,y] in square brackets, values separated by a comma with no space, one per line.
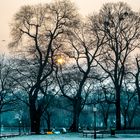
[94,111]
[18,118]
[19,127]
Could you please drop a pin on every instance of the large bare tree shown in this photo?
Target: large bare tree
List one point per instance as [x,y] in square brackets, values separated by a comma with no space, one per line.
[38,31]
[121,26]
[84,47]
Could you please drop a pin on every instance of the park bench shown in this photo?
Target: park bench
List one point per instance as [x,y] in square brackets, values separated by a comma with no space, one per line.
[8,135]
[91,132]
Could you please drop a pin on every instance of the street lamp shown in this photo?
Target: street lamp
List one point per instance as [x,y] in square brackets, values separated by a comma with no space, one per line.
[19,124]
[94,111]
[60,60]
[18,117]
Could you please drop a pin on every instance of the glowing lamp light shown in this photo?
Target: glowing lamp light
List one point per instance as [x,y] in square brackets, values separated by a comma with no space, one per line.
[60,61]
[94,109]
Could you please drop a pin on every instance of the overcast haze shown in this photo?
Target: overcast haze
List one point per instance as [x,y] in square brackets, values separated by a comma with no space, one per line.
[9,7]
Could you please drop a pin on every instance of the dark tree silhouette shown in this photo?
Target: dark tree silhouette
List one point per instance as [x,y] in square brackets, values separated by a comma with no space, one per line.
[84,48]
[121,26]
[38,31]
[136,76]
[7,100]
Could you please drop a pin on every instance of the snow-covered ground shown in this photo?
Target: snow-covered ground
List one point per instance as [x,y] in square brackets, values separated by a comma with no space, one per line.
[75,136]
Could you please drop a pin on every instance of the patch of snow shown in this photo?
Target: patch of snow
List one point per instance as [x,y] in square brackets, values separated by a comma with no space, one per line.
[74,136]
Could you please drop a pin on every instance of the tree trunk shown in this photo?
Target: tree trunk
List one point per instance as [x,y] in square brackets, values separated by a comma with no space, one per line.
[137,86]
[76,114]
[125,121]
[35,122]
[105,122]
[49,121]
[35,119]
[118,110]
[75,124]
[130,123]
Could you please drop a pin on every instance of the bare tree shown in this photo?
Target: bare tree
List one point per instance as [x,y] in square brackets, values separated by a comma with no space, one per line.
[84,46]
[136,76]
[38,31]
[6,92]
[7,100]
[107,101]
[129,101]
[121,26]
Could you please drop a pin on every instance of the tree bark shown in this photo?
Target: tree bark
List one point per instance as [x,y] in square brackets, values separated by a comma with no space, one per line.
[49,121]
[118,109]
[35,120]
[105,122]
[76,114]
[35,116]
[137,85]
[74,126]
[125,120]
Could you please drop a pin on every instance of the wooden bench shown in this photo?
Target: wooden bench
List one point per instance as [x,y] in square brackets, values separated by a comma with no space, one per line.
[91,132]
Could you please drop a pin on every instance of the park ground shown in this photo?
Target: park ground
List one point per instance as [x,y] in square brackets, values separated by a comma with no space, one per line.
[75,136]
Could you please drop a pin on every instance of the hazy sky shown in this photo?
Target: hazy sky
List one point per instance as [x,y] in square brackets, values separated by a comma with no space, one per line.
[9,7]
